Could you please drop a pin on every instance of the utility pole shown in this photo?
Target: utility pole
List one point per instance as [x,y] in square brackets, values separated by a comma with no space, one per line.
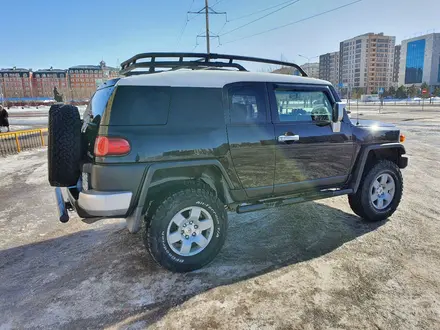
[207,11]
[208,50]
[308,62]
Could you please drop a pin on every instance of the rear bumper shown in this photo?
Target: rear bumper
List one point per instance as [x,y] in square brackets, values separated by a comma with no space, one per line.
[100,203]
[94,203]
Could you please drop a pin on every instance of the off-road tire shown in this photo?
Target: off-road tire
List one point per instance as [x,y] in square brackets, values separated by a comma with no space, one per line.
[360,202]
[159,216]
[64,145]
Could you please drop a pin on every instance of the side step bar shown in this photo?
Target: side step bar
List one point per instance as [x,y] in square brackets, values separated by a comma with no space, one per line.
[291,200]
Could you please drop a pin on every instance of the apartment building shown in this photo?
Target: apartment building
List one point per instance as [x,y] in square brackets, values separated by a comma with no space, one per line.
[312,69]
[396,66]
[329,67]
[16,82]
[420,61]
[366,62]
[44,81]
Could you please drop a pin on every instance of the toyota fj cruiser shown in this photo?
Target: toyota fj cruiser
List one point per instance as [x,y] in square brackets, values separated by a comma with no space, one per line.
[173,151]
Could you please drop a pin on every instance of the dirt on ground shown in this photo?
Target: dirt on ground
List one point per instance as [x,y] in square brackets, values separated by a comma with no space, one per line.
[308,266]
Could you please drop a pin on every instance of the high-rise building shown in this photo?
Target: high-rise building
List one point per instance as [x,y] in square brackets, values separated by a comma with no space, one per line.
[396,64]
[44,81]
[312,69]
[16,83]
[84,79]
[366,62]
[329,67]
[420,60]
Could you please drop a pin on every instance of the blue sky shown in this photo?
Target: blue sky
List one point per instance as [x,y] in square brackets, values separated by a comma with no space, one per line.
[43,33]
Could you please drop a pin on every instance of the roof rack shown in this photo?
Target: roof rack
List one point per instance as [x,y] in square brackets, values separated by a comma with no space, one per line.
[194,61]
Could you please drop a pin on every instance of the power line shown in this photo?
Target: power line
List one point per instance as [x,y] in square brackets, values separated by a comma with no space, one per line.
[251,14]
[186,23]
[260,18]
[259,11]
[292,23]
[218,1]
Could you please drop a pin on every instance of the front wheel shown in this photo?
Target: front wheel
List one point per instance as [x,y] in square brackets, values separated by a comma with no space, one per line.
[379,193]
[187,230]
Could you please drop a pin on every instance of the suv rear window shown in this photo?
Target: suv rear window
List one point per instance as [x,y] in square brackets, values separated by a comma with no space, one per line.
[140,105]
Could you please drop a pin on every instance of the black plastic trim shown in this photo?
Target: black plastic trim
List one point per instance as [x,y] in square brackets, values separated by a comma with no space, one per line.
[160,166]
[362,158]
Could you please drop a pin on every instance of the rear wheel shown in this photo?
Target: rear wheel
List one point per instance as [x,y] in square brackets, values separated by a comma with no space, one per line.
[379,193]
[187,229]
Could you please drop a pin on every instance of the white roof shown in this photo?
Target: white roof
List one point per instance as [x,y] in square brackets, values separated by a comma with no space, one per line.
[212,78]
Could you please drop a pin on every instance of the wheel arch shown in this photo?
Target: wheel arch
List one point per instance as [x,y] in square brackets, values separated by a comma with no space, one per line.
[164,178]
[369,155]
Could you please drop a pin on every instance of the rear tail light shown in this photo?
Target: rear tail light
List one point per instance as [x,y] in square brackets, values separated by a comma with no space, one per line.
[111,146]
[402,138]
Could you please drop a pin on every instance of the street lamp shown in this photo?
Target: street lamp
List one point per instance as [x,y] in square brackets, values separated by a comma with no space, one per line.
[308,61]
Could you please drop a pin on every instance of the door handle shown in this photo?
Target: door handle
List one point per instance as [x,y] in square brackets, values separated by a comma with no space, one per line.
[285,138]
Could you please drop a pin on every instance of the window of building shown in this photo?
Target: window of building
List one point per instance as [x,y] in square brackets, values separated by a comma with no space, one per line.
[86,71]
[81,71]
[438,75]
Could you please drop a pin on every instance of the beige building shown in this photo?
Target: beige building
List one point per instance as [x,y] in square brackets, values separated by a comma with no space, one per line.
[312,69]
[366,62]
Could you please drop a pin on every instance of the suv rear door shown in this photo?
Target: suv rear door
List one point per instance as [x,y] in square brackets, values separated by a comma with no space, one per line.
[309,155]
[250,135]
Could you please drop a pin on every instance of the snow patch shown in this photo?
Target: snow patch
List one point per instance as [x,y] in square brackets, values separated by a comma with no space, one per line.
[21,164]
[14,128]
[38,176]
[43,110]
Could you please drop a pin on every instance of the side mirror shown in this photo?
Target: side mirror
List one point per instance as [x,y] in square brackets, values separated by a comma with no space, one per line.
[338,112]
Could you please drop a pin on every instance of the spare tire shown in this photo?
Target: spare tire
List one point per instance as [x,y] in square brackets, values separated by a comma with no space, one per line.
[64,145]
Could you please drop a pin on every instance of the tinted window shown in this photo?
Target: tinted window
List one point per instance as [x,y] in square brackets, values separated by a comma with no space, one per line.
[247,104]
[303,106]
[99,101]
[97,105]
[140,105]
[198,106]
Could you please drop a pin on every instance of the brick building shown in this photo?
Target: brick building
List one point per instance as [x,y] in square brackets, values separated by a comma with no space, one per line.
[16,82]
[83,79]
[43,82]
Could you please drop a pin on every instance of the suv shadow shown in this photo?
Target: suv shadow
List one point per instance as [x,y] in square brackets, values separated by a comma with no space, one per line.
[103,277]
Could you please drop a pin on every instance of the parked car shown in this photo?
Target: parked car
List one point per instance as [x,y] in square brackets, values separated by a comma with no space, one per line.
[172,152]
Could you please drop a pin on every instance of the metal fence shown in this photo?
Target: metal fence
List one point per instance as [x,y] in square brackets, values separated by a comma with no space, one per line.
[15,142]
